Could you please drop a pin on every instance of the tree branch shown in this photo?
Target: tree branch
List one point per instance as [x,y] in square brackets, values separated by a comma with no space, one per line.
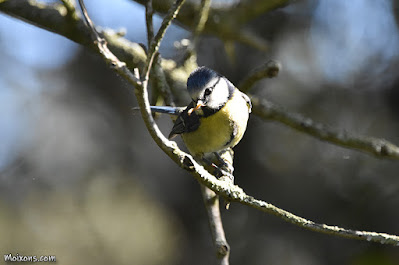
[222,248]
[149,11]
[70,6]
[378,147]
[222,20]
[247,10]
[223,188]
[202,17]
[54,18]
[156,42]
[159,82]
[269,70]
[239,195]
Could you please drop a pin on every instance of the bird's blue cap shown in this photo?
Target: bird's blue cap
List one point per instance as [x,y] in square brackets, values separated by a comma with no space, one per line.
[199,78]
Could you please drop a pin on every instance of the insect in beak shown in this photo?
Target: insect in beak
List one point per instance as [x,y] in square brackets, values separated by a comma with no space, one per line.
[199,105]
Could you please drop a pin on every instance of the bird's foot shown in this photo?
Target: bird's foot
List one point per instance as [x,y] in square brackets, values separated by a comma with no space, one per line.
[224,174]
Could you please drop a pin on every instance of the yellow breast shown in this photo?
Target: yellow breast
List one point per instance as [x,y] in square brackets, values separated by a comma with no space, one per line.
[221,130]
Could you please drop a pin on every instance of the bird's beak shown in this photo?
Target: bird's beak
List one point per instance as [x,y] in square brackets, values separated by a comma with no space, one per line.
[199,105]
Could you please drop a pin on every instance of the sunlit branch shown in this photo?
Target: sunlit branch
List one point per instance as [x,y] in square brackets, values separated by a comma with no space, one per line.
[376,146]
[160,83]
[156,42]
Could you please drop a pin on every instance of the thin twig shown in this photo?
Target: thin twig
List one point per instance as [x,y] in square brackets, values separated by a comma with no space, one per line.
[227,20]
[251,9]
[382,238]
[156,42]
[149,22]
[149,12]
[141,90]
[160,82]
[270,111]
[223,188]
[269,70]
[202,17]
[211,201]
[94,34]
[109,57]
[70,6]
[378,147]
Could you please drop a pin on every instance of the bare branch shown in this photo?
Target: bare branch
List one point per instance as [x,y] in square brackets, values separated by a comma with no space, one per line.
[247,10]
[239,195]
[222,22]
[160,83]
[141,90]
[235,194]
[156,42]
[95,36]
[269,70]
[141,87]
[203,17]
[101,43]
[378,147]
[54,18]
[222,248]
[70,6]
[149,23]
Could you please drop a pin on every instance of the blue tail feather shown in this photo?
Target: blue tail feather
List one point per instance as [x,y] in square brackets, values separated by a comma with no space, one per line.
[165,109]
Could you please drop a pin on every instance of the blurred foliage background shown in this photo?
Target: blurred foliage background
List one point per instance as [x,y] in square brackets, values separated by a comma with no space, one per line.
[80,178]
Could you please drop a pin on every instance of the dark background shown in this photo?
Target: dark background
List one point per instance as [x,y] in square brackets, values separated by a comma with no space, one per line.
[80,177]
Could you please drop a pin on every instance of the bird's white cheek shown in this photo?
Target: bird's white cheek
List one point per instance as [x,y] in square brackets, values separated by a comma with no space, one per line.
[219,95]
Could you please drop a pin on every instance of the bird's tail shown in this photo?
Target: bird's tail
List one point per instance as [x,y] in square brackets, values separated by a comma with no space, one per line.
[165,109]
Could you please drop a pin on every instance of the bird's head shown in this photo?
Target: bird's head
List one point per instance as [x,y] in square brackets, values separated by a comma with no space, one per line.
[208,88]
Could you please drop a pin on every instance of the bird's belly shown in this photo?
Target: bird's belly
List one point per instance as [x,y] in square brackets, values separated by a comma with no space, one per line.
[221,130]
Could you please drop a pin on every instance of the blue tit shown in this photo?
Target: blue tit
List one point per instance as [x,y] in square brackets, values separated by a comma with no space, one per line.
[217,117]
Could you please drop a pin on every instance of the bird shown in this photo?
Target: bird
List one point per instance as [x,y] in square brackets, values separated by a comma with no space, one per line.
[216,119]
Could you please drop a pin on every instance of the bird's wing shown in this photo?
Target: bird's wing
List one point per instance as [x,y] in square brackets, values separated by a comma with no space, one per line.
[248,100]
[185,122]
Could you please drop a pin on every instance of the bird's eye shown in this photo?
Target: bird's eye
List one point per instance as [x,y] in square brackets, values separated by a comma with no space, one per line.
[208,91]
